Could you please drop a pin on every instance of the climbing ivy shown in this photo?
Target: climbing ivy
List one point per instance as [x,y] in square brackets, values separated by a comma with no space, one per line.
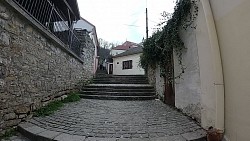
[158,49]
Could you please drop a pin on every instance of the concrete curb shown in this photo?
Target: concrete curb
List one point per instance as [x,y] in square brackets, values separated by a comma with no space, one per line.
[36,133]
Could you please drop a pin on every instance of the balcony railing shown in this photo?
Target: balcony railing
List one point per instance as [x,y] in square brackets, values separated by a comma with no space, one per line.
[57,18]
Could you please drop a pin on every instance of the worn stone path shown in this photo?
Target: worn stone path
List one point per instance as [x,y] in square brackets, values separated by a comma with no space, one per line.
[90,119]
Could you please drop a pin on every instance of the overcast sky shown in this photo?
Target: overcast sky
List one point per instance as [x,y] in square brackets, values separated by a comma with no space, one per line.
[120,20]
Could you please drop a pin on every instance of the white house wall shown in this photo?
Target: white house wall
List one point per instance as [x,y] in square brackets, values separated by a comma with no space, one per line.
[187,89]
[195,91]
[136,70]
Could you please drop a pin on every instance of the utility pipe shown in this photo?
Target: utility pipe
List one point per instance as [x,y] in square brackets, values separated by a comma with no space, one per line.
[217,66]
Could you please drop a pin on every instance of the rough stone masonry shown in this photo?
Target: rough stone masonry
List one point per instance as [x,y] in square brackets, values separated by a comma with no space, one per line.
[33,68]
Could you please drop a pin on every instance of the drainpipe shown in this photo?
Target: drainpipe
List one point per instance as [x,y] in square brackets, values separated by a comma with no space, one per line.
[217,66]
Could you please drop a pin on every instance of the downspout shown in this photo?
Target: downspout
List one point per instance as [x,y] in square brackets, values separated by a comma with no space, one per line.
[217,66]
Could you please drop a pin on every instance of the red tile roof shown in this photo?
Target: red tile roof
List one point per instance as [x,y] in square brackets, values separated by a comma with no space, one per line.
[126,45]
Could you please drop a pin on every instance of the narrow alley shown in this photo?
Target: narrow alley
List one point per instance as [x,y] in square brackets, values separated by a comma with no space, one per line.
[115,112]
[155,70]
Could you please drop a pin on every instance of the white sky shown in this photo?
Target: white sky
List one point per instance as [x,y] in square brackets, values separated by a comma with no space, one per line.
[113,17]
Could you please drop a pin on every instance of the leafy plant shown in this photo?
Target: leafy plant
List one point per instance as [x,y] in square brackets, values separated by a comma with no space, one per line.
[159,48]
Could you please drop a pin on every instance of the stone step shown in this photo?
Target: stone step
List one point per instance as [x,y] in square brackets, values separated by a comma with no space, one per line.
[109,97]
[120,76]
[120,82]
[113,87]
[120,79]
[104,78]
[117,93]
[119,86]
[127,75]
[118,90]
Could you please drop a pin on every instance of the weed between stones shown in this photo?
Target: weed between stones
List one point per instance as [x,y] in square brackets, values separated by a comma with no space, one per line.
[56,105]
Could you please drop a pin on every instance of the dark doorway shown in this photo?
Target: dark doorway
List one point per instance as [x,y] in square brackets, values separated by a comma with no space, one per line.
[110,68]
[169,94]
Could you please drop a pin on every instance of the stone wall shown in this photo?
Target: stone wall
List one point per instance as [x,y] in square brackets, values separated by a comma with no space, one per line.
[34,68]
[88,49]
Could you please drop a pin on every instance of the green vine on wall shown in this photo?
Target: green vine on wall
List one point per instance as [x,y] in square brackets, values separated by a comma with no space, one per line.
[158,49]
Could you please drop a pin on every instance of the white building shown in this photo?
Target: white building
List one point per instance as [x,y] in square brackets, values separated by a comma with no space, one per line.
[127,63]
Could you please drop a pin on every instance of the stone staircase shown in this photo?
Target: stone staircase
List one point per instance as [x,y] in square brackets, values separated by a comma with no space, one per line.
[118,87]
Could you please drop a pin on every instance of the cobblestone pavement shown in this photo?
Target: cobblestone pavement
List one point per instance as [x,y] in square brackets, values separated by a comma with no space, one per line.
[118,119]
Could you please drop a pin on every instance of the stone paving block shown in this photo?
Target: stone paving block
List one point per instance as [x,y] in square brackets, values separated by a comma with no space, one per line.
[126,135]
[133,139]
[139,139]
[194,135]
[49,134]
[68,137]
[169,138]
[35,129]
[175,138]
[25,124]
[100,139]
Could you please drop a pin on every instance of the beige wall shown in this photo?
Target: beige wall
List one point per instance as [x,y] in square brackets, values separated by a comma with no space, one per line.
[232,19]
[136,70]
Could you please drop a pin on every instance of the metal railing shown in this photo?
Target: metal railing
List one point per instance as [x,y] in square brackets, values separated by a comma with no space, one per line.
[58,20]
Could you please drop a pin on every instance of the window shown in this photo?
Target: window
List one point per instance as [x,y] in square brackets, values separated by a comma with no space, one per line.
[127,64]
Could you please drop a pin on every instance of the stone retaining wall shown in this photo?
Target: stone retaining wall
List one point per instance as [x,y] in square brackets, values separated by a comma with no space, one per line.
[34,68]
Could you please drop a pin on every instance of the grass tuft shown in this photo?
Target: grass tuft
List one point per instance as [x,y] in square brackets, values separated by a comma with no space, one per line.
[56,105]
[49,109]
[71,98]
